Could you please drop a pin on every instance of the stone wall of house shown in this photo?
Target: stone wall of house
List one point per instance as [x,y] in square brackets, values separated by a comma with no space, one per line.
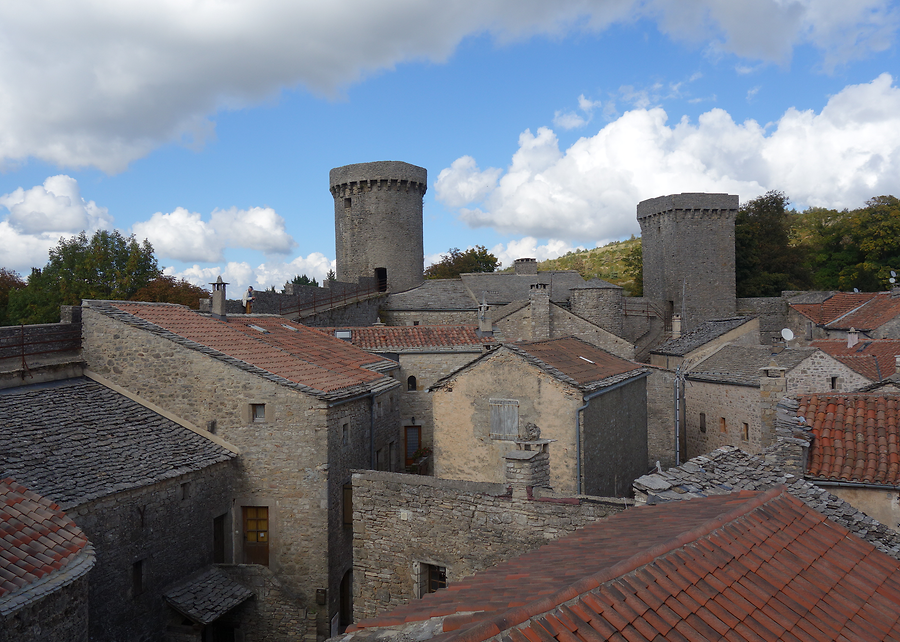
[772,312]
[463,446]
[427,317]
[61,616]
[274,614]
[355,314]
[735,404]
[614,438]
[661,418]
[427,368]
[879,503]
[285,459]
[166,528]
[815,373]
[402,522]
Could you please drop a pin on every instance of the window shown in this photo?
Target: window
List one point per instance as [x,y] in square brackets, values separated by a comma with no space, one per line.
[257,412]
[431,578]
[379,459]
[702,422]
[745,432]
[411,383]
[256,535]
[219,539]
[185,490]
[347,508]
[345,435]
[413,435]
[392,455]
[834,383]
[723,427]
[415,323]
[137,578]
[347,203]
[381,279]
[504,419]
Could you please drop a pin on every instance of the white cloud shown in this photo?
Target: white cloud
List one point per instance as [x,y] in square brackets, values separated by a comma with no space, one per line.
[528,247]
[185,236]
[101,83]
[840,157]
[573,120]
[239,275]
[463,182]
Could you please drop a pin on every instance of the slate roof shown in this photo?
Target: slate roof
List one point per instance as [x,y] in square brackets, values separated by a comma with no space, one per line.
[595,283]
[409,338]
[872,358]
[286,353]
[41,548]
[570,360]
[500,288]
[700,336]
[433,295]
[75,440]
[207,596]
[856,437]
[728,469]
[864,311]
[744,566]
[740,365]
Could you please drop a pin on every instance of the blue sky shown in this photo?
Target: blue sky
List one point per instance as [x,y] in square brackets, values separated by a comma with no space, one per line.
[210,128]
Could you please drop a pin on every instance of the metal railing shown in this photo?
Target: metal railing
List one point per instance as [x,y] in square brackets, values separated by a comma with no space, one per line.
[24,341]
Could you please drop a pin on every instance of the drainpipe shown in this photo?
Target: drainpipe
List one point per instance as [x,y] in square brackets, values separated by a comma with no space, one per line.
[587,402]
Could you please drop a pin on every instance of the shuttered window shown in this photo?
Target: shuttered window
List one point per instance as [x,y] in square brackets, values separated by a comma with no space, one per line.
[504,419]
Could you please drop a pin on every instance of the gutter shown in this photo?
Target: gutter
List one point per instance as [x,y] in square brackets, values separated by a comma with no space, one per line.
[587,402]
[850,484]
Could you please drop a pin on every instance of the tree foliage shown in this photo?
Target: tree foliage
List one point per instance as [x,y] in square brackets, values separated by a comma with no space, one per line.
[456,262]
[107,265]
[9,281]
[634,267]
[302,279]
[168,289]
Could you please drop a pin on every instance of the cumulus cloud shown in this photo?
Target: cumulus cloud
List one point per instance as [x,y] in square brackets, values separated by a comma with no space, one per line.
[38,217]
[529,247]
[463,182]
[184,236]
[839,157]
[573,120]
[241,274]
[101,83]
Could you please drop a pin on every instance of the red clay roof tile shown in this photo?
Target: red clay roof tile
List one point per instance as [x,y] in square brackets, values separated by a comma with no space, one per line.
[389,338]
[872,358]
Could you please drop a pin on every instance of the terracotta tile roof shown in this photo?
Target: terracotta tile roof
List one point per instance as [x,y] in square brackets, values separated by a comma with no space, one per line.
[41,548]
[864,311]
[856,437]
[207,596]
[741,566]
[75,440]
[390,338]
[295,354]
[872,358]
[578,360]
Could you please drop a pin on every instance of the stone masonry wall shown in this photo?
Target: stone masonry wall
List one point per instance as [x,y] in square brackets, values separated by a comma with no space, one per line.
[61,616]
[168,528]
[285,459]
[772,312]
[426,317]
[736,404]
[402,521]
[661,418]
[814,374]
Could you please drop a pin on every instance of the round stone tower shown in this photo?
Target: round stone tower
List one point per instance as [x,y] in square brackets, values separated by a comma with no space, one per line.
[599,302]
[378,223]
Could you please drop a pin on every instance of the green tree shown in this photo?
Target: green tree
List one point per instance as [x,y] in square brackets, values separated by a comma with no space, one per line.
[106,266]
[634,267]
[767,260]
[9,281]
[302,279]
[168,289]
[456,262]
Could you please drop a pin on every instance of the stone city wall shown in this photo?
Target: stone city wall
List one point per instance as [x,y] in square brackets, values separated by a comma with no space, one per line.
[403,521]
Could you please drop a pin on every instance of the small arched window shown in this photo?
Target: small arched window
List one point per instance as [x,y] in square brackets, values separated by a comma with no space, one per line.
[411,383]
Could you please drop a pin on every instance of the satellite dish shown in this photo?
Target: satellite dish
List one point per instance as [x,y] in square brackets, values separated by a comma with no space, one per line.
[787,334]
[893,273]
[856,290]
[892,280]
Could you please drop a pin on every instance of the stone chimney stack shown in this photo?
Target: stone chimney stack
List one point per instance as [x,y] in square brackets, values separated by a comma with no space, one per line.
[526,266]
[676,326]
[897,364]
[485,327]
[852,337]
[528,467]
[218,299]
[540,312]
[772,387]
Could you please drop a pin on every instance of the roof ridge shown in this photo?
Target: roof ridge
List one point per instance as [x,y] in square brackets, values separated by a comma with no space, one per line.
[491,627]
[853,311]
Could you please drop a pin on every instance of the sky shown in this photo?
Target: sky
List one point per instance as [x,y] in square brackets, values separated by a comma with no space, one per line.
[209,127]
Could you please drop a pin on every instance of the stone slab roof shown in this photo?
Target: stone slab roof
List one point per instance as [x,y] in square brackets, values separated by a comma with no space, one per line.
[207,596]
[748,565]
[433,295]
[41,548]
[728,469]
[740,365]
[700,336]
[286,353]
[570,360]
[75,440]
[872,358]
[856,437]
[418,338]
[500,288]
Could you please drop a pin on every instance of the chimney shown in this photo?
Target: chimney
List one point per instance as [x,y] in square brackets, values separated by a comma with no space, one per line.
[485,327]
[897,364]
[218,299]
[852,337]
[895,292]
[772,387]
[526,266]
[540,312]
[676,326]
[528,467]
